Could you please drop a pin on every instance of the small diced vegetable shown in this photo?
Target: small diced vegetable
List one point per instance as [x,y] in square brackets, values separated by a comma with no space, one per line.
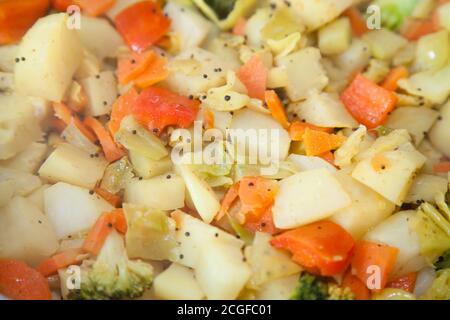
[146,167]
[335,37]
[279,289]
[324,110]
[177,283]
[312,76]
[29,159]
[298,200]
[305,163]
[221,271]
[433,51]
[371,255]
[50,63]
[396,231]
[390,173]
[72,165]
[368,103]
[323,247]
[384,44]
[101,91]
[72,209]
[32,231]
[8,54]
[24,183]
[19,126]
[163,193]
[418,121]
[366,211]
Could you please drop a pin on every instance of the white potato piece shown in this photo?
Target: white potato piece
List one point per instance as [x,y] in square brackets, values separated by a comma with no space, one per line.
[6,191]
[29,159]
[315,14]
[247,125]
[188,70]
[396,232]
[433,156]
[383,43]
[300,198]
[72,165]
[305,163]
[18,125]
[24,182]
[335,37]
[192,234]
[8,55]
[37,197]
[177,283]
[357,56]
[305,73]
[149,168]
[188,24]
[268,263]
[382,144]
[425,187]
[201,194]
[390,173]
[99,37]
[368,208]
[25,232]
[72,209]
[279,289]
[417,121]
[324,110]
[440,133]
[6,82]
[90,66]
[51,61]
[101,91]
[165,192]
[221,271]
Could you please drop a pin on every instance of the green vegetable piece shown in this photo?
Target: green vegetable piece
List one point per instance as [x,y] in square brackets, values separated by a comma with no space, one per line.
[394,12]
[443,262]
[440,288]
[311,287]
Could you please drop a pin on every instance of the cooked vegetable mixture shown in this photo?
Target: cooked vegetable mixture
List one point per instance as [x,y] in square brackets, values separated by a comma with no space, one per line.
[328,122]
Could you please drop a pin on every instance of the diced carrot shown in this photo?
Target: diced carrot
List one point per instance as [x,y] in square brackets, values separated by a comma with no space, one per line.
[406,283]
[368,103]
[276,108]
[256,194]
[253,75]
[357,21]
[131,67]
[391,81]
[357,286]
[372,263]
[62,5]
[98,234]
[142,25]
[113,199]
[16,17]
[122,108]
[262,223]
[65,114]
[95,7]
[61,260]
[110,148]
[156,72]
[209,119]
[415,29]
[298,128]
[231,195]
[120,222]
[239,27]
[20,282]
[442,167]
[318,142]
[322,247]
[57,124]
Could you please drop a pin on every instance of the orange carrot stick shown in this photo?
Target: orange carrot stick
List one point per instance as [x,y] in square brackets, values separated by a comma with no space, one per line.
[98,234]
[61,260]
[120,222]
[113,199]
[111,150]
[63,113]
[391,81]
[276,108]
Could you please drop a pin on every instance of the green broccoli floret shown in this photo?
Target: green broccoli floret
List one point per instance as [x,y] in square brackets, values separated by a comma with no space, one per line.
[311,287]
[443,262]
[112,275]
[394,12]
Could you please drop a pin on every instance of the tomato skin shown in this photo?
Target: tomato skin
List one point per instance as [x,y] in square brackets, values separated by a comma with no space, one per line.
[142,25]
[16,17]
[20,282]
[322,247]
[157,108]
